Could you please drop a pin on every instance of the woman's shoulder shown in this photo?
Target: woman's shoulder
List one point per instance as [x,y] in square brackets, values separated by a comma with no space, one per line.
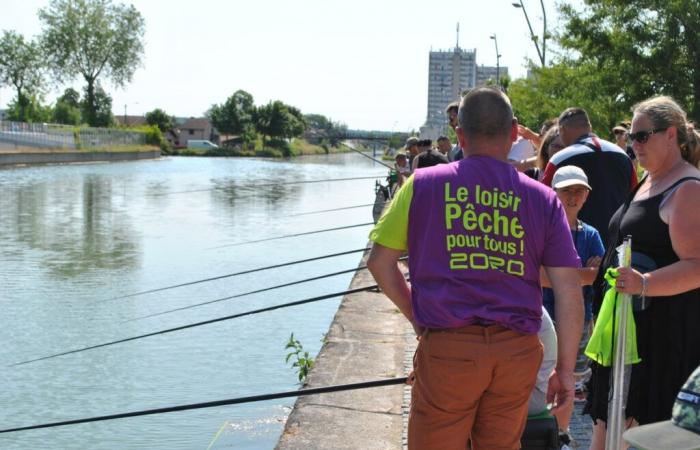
[682,195]
[687,181]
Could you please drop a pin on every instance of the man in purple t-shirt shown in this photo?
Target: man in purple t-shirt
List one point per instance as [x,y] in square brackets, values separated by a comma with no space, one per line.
[477,233]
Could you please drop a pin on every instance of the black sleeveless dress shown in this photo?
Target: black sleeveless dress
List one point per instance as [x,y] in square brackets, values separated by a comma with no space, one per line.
[668,332]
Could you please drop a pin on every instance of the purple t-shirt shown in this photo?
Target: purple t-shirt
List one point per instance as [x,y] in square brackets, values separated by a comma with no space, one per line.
[478,232]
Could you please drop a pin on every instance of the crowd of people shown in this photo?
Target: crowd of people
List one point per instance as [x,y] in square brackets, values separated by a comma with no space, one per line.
[510,231]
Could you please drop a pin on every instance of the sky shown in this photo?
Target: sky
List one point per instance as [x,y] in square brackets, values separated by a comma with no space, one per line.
[360,62]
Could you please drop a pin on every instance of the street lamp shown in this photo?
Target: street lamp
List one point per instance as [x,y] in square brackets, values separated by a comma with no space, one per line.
[541,54]
[125,105]
[498,61]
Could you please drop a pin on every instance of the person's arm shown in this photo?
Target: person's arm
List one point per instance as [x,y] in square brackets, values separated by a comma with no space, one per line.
[684,275]
[383,265]
[530,135]
[568,304]
[586,275]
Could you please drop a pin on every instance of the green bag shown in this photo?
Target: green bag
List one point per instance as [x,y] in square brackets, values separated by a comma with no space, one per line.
[600,346]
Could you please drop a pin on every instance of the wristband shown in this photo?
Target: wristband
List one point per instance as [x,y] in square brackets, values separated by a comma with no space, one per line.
[645,284]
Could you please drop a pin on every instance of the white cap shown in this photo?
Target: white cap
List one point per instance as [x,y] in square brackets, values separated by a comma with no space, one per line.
[569,176]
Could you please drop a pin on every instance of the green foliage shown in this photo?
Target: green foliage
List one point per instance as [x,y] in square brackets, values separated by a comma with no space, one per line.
[302,361]
[92,39]
[160,119]
[29,109]
[67,109]
[154,136]
[639,49]
[96,107]
[278,120]
[21,67]
[321,125]
[552,89]
[66,114]
[235,115]
[395,141]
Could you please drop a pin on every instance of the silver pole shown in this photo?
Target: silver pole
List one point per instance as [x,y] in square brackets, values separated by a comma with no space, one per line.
[620,370]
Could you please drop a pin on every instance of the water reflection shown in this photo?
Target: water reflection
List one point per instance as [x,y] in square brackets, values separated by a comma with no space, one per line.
[228,192]
[76,227]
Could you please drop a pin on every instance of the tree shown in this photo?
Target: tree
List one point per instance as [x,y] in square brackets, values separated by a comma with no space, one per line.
[29,109]
[277,120]
[92,39]
[21,67]
[550,90]
[67,109]
[318,121]
[235,115]
[648,49]
[159,118]
[100,107]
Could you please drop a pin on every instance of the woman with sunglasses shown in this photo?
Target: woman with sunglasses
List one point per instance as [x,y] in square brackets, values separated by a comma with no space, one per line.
[663,218]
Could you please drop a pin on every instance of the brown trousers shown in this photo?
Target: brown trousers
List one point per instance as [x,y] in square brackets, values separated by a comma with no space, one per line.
[472,383]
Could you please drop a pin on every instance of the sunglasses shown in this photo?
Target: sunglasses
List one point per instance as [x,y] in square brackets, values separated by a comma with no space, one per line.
[643,136]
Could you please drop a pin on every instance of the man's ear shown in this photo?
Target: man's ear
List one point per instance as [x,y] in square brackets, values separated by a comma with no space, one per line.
[460,137]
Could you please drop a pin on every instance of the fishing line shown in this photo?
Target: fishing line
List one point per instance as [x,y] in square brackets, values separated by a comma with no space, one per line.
[198,324]
[373,159]
[249,186]
[328,275]
[259,269]
[257,291]
[291,235]
[213,404]
[329,210]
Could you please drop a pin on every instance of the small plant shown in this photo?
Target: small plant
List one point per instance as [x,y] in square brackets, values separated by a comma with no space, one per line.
[303,362]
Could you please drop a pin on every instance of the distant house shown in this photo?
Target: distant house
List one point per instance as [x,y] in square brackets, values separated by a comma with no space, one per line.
[173,138]
[201,129]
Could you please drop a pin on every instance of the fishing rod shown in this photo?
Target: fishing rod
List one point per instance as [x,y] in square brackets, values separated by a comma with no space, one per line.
[372,158]
[291,235]
[249,186]
[206,322]
[228,275]
[328,275]
[257,291]
[217,403]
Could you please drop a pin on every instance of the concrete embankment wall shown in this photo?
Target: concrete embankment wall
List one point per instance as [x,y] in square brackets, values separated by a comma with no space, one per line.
[365,342]
[65,157]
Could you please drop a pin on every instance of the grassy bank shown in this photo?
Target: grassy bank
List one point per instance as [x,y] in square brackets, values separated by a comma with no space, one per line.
[297,147]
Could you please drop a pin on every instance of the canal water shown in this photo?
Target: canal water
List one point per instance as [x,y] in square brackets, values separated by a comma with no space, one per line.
[72,237]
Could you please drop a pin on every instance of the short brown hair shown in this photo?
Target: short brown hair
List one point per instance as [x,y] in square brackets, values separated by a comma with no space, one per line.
[485,112]
[575,116]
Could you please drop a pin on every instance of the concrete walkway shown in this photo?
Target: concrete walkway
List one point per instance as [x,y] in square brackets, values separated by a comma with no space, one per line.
[366,341]
[369,339]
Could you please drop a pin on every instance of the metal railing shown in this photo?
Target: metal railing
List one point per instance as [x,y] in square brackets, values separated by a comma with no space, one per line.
[45,135]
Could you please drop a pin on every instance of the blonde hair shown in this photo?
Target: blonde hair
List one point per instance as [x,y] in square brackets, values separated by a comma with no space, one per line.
[664,112]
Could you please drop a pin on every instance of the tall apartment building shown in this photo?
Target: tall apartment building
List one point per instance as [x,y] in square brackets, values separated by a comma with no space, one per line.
[451,72]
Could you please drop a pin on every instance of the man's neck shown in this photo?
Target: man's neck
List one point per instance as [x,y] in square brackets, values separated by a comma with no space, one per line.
[491,151]
[573,221]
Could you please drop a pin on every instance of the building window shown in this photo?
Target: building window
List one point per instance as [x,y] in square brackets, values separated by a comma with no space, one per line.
[191,132]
